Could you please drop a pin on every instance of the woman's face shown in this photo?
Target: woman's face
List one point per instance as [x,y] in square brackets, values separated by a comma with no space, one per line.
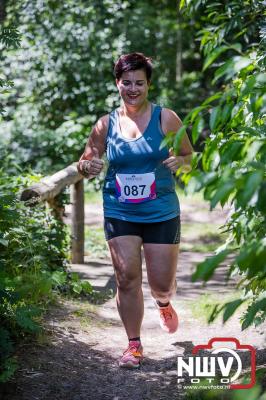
[133,87]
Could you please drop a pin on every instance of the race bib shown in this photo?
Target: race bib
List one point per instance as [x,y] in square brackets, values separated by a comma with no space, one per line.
[135,188]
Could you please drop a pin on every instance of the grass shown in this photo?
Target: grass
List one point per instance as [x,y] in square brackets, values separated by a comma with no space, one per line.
[195,198]
[95,243]
[202,306]
[93,197]
[86,313]
[201,237]
[83,317]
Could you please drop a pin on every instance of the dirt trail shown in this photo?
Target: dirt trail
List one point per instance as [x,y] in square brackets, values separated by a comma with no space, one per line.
[77,359]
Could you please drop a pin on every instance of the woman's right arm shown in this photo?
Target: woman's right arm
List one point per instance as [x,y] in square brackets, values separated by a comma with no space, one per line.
[90,163]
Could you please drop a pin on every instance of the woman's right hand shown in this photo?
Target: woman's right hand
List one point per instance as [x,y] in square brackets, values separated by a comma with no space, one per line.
[90,163]
[91,168]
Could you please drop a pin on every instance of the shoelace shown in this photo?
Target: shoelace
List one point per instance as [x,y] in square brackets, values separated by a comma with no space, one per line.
[166,314]
[133,349]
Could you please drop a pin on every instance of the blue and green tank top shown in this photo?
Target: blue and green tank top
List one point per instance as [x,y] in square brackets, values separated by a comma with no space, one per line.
[139,156]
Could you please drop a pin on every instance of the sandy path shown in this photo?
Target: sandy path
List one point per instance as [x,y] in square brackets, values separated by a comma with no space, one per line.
[78,358]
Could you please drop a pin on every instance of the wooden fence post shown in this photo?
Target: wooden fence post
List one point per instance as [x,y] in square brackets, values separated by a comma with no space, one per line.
[77,222]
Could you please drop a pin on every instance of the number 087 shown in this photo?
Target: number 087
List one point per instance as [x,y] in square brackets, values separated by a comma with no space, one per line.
[134,190]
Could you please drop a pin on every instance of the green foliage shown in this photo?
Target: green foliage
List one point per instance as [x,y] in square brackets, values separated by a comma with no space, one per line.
[9,38]
[63,82]
[63,70]
[254,393]
[50,149]
[34,248]
[95,243]
[33,243]
[206,269]
[233,160]
[78,286]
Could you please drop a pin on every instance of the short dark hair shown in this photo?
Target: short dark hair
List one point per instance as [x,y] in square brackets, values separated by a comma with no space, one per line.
[132,62]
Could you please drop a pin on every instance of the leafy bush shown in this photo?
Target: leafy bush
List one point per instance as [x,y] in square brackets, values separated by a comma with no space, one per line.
[43,149]
[34,247]
[232,165]
[62,72]
[34,243]
[9,37]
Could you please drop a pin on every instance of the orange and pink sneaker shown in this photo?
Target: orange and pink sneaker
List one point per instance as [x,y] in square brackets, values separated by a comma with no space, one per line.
[132,356]
[168,318]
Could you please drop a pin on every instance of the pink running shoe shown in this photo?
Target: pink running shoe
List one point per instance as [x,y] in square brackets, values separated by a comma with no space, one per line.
[168,318]
[132,356]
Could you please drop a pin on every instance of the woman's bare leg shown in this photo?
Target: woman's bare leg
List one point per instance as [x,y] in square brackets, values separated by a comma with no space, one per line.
[161,263]
[126,257]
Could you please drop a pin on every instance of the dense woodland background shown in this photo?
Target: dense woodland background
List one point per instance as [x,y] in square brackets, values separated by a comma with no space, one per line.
[56,79]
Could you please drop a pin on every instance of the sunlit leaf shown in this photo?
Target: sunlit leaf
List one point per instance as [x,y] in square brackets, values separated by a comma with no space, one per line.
[226,112]
[178,138]
[197,129]
[210,99]
[167,140]
[261,203]
[4,242]
[230,308]
[206,268]
[232,67]
[252,181]
[224,190]
[253,309]
[231,152]
[59,277]
[212,57]
[215,116]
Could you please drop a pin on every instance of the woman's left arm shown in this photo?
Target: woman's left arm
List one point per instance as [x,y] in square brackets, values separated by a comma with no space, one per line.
[172,123]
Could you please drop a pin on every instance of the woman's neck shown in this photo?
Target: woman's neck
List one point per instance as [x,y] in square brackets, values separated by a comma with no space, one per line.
[135,111]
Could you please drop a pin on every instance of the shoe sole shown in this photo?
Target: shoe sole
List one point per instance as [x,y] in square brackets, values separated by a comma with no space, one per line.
[169,332]
[129,365]
[165,329]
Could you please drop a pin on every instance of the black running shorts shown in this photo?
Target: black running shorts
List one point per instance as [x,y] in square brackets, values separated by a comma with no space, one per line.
[164,232]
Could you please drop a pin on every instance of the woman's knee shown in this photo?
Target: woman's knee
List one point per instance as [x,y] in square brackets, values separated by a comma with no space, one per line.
[163,290]
[125,284]
[127,281]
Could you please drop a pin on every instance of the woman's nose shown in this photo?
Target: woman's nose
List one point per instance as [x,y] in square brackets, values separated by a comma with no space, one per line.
[133,86]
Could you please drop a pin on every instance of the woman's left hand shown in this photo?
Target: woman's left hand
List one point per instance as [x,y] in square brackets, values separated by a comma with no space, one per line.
[173,162]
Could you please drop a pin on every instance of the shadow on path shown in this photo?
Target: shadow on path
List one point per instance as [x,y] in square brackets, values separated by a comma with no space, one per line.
[100,274]
[72,370]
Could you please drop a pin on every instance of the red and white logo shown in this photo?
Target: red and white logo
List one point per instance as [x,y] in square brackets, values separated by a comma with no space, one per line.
[223,364]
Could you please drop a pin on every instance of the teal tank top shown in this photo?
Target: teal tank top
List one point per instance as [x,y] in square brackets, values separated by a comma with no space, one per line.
[139,156]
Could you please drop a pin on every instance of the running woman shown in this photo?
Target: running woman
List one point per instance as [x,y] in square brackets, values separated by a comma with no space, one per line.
[141,208]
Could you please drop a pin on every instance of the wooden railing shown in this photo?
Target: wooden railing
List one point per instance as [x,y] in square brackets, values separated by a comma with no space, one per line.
[47,190]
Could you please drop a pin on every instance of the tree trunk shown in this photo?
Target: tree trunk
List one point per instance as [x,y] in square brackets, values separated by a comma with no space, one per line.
[178,49]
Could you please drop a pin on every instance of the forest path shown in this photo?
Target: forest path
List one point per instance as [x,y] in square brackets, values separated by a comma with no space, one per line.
[77,357]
